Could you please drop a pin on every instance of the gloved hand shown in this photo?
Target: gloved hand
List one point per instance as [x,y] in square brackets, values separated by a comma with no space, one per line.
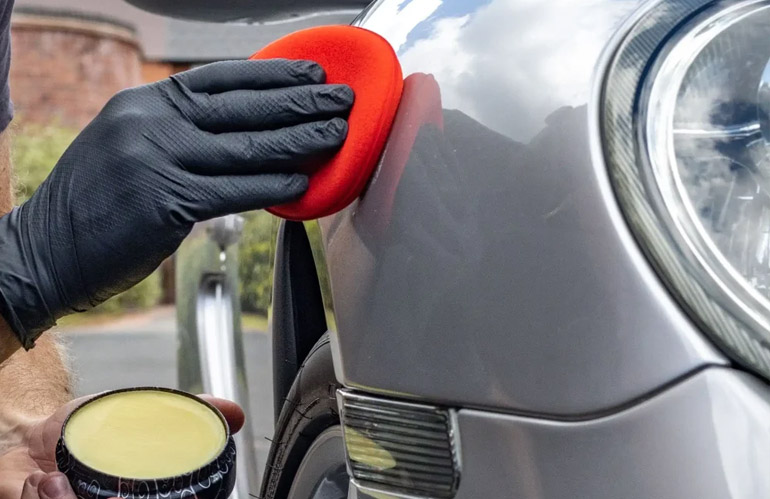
[223,138]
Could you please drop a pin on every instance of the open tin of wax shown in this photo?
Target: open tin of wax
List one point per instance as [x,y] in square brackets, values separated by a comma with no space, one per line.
[140,443]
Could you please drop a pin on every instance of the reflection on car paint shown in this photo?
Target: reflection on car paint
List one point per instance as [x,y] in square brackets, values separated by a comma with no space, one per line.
[498,253]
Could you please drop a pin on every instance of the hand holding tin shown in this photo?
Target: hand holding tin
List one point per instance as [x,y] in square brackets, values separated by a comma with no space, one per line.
[35,458]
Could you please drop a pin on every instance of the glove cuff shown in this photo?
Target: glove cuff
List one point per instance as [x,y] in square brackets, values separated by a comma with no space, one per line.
[21,302]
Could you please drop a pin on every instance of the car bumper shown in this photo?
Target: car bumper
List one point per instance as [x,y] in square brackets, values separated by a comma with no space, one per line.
[705,436]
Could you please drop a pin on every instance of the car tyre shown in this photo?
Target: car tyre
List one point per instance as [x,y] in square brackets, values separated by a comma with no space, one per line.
[308,416]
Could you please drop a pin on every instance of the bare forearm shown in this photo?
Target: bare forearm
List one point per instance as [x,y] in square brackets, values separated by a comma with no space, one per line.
[8,342]
[32,384]
[6,178]
[35,382]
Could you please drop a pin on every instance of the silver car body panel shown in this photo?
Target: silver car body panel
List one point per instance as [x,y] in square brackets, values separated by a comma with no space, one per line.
[706,437]
[489,266]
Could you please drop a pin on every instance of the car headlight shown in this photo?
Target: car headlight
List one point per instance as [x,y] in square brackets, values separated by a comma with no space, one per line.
[686,128]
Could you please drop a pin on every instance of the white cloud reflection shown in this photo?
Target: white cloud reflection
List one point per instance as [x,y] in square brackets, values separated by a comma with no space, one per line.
[509,63]
[395,20]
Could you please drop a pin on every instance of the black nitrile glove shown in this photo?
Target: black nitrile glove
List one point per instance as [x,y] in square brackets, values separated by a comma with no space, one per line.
[222,138]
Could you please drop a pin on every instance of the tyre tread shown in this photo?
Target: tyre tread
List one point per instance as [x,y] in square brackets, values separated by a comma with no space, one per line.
[308,410]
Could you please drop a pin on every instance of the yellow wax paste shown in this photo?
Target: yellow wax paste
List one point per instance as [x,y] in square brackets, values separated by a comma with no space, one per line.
[145,434]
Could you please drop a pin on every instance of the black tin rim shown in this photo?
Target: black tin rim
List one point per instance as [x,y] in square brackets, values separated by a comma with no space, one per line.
[94,472]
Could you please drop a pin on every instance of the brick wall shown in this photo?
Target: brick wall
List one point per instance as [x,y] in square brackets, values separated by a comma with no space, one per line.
[64,69]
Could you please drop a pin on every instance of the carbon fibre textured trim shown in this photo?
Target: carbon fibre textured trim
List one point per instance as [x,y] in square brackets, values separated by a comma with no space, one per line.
[400,447]
[621,95]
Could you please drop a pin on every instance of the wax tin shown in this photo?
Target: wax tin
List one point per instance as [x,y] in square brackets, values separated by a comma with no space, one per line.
[214,480]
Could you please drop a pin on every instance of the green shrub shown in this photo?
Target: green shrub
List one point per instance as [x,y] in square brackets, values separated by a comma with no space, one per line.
[143,295]
[35,149]
[254,262]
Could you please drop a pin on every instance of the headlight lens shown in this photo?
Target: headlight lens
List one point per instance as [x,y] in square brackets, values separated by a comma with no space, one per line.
[707,139]
[685,124]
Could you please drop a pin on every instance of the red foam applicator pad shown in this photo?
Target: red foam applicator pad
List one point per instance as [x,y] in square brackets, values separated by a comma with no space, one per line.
[365,61]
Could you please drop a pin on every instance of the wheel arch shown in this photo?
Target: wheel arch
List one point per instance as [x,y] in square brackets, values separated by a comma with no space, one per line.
[299,318]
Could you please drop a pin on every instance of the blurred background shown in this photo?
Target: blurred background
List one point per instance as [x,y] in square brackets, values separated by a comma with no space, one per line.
[68,58]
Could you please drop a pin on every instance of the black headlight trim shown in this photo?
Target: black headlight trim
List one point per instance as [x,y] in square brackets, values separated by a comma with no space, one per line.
[622,93]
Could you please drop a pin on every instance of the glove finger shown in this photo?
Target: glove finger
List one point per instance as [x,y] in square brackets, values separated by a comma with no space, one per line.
[228,194]
[284,150]
[249,110]
[224,76]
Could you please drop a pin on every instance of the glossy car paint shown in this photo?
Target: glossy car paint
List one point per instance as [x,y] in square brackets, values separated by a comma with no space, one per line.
[704,438]
[499,272]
